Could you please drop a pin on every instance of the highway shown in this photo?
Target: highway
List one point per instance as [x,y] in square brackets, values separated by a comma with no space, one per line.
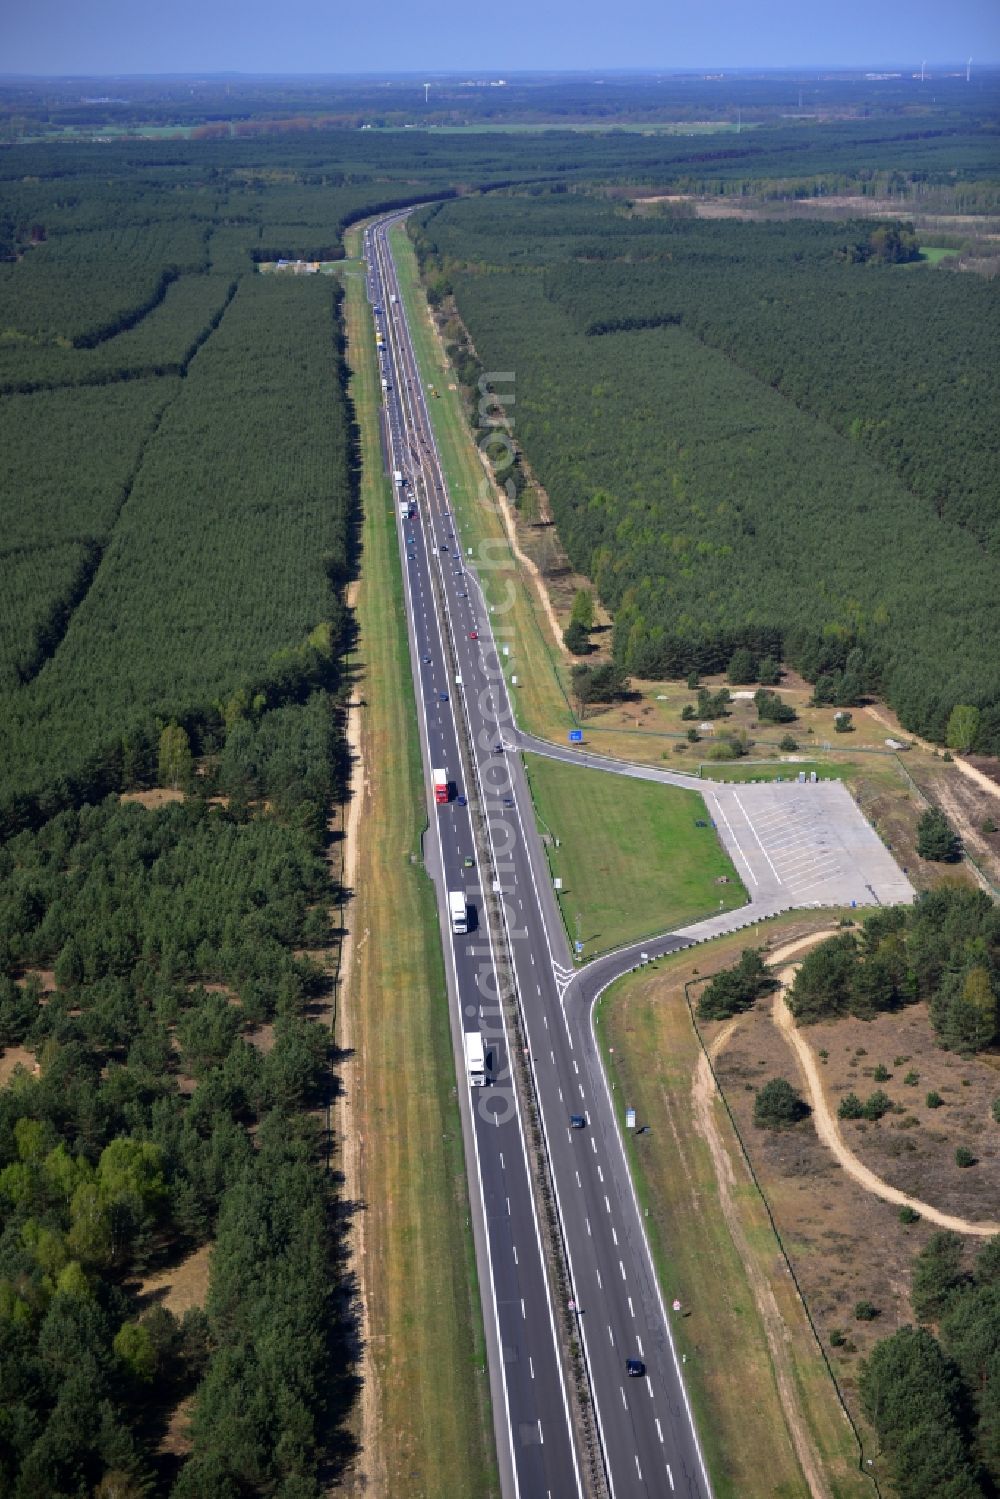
[646,1432]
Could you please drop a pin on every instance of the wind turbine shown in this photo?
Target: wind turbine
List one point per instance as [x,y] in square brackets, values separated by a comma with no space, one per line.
[922,67]
[968,71]
[427,90]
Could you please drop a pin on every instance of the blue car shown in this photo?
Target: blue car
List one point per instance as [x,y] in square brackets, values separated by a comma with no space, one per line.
[442,697]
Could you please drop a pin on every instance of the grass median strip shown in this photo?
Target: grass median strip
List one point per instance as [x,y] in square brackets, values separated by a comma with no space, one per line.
[634,858]
[429,1426]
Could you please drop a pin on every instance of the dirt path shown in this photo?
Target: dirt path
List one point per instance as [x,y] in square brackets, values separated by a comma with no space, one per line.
[703,1095]
[532,569]
[824,1118]
[351,1144]
[970,772]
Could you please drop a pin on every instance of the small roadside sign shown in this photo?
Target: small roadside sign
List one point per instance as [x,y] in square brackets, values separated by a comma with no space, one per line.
[630,1118]
[576,736]
[557,883]
[578,946]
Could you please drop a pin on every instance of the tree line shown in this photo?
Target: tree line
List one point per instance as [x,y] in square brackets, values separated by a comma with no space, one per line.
[678,478]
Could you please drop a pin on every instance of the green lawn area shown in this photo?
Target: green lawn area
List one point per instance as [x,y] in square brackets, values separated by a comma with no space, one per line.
[774,770]
[632,860]
[933,254]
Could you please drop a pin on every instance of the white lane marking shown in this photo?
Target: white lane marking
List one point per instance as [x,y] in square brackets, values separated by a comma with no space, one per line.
[753,830]
[582,1094]
[578,1181]
[722,813]
[531,1367]
[545,1018]
[600,1283]
[508,1207]
[516,1260]
[659,1428]
[607,1203]
[631,1307]
[576,1067]
[524,1315]
[614,1235]
[553,1056]
[621,1267]
[560,1095]
[669,1474]
[587,1221]
[638,1469]
[502,1166]
[638,1343]
[624,1401]
[649,1386]
[611,1335]
[540,1436]
[593,1144]
[600,1173]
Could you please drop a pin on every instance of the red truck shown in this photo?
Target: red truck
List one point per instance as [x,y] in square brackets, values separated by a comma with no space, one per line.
[441,787]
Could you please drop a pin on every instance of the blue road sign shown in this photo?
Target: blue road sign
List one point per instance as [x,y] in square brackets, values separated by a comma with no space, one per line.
[576,736]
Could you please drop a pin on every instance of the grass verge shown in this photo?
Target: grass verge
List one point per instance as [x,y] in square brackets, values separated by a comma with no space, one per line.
[519,621]
[768,770]
[429,1426]
[632,859]
[715,1249]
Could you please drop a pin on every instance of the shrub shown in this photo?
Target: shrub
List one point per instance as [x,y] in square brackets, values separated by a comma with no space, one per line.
[876,1105]
[934,1100]
[908,1214]
[735,989]
[881,1074]
[964,1156]
[996,1110]
[866,1311]
[693,736]
[843,722]
[788,744]
[937,839]
[692,681]
[987,826]
[850,1107]
[912,1079]
[778,1105]
[837,1338]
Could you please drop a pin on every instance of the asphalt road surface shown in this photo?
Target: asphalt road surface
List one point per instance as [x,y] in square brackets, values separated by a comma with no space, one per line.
[793,845]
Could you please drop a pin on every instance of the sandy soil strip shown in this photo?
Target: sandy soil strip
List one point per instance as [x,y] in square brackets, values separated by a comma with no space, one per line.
[969,771]
[826,1122]
[366,1468]
[703,1096]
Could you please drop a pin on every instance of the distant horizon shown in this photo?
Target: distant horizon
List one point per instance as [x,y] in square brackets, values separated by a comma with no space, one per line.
[475,71]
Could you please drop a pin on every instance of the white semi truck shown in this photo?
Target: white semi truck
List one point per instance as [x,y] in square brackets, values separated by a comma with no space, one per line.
[459,911]
[475,1059]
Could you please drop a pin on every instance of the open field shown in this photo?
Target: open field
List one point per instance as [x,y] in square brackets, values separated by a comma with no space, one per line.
[542,703]
[751,1359]
[632,860]
[426,1433]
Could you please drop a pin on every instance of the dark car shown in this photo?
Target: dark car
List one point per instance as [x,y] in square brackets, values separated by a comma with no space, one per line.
[444,546]
[635,1368]
[426,660]
[442,697]
[508,801]
[498,749]
[577,1121]
[468,862]
[412,556]
[461,801]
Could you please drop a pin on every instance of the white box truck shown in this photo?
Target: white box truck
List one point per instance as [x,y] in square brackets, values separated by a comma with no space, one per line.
[475,1059]
[459,911]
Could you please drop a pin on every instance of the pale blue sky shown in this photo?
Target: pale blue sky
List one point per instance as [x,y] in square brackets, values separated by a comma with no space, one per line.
[273,36]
